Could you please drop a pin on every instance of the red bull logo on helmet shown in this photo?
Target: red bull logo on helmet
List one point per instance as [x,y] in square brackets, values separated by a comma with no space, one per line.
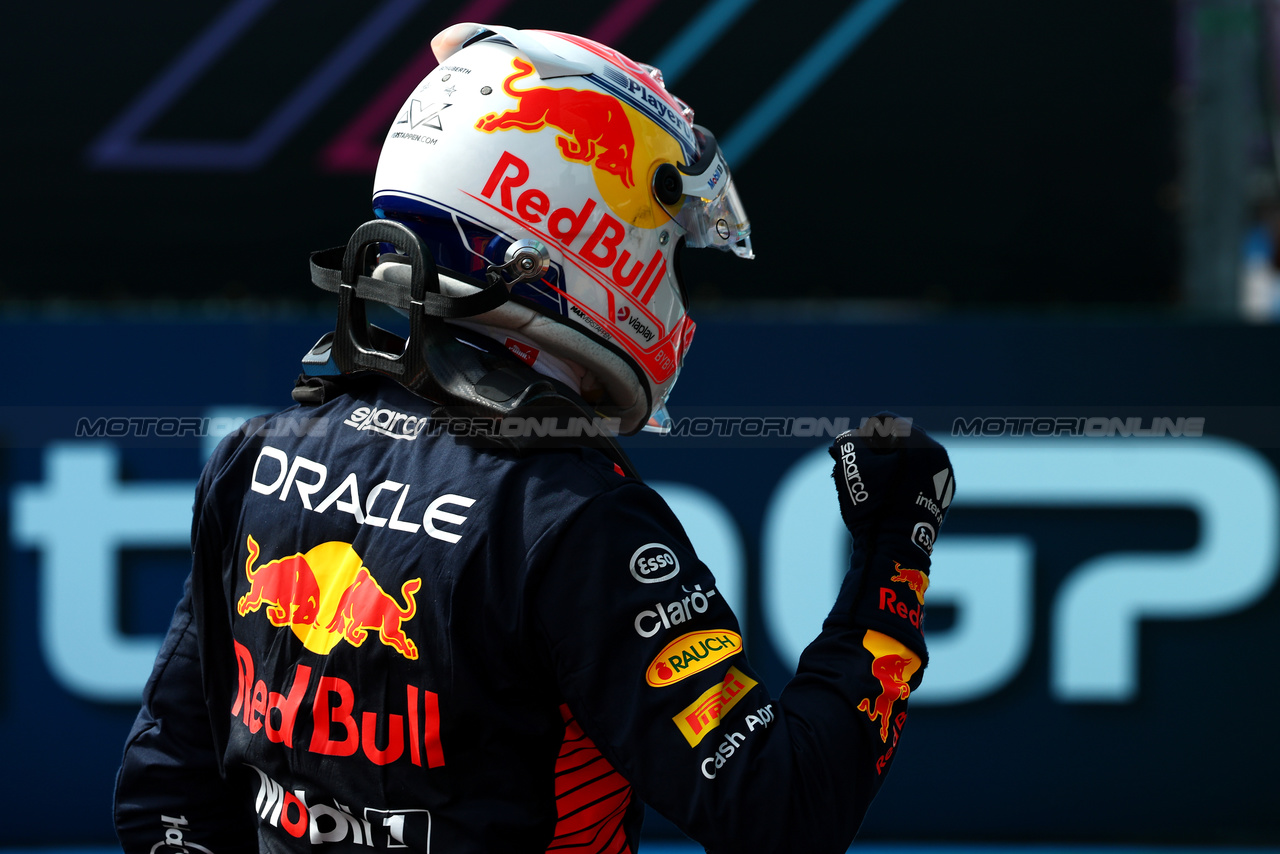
[598,251]
[641,88]
[594,127]
[621,144]
[328,595]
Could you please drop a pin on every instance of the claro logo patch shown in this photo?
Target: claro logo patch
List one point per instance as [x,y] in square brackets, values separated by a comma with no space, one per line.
[690,654]
[654,562]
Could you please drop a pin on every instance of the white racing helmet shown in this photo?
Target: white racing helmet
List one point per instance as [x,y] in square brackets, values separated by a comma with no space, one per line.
[570,170]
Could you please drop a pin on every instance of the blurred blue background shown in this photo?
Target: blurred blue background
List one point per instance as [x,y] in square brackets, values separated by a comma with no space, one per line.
[981,215]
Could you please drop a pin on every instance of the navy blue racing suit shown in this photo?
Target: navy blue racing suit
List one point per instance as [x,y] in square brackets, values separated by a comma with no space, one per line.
[393,638]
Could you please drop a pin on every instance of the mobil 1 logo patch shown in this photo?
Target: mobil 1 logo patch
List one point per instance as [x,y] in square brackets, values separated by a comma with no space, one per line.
[654,562]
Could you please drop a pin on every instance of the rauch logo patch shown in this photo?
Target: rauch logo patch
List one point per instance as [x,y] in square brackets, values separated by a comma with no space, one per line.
[690,654]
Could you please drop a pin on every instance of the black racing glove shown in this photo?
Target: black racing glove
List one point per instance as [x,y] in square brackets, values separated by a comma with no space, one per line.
[895,485]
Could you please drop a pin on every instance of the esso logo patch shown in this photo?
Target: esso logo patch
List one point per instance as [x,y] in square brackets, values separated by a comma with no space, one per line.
[654,562]
[923,536]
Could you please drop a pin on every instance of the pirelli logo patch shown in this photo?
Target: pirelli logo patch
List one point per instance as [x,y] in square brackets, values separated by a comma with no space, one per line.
[703,715]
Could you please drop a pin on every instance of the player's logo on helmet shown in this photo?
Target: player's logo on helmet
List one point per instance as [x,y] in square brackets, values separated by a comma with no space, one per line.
[557,142]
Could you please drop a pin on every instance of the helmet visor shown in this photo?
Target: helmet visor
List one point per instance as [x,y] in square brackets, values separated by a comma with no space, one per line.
[711,213]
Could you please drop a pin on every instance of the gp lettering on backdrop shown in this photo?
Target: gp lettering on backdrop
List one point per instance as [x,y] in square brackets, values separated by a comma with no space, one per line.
[339,727]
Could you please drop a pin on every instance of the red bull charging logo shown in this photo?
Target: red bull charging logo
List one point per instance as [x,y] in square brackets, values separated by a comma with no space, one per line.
[915,579]
[594,126]
[328,595]
[893,666]
[917,582]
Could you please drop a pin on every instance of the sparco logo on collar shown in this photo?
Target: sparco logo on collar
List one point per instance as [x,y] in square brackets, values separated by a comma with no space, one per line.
[852,477]
[388,422]
[654,562]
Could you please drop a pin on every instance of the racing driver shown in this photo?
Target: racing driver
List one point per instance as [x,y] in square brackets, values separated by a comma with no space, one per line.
[432,606]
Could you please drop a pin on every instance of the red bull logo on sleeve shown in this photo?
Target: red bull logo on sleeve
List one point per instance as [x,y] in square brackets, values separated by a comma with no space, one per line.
[918,583]
[915,579]
[328,595]
[893,666]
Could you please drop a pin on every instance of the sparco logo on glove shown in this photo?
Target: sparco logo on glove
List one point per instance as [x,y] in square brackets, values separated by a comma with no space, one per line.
[852,477]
